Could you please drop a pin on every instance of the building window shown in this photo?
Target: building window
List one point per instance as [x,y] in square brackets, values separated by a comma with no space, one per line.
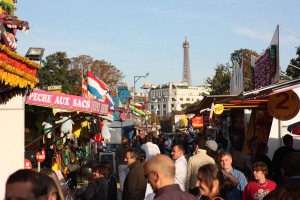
[164,112]
[187,99]
[152,107]
[181,99]
[172,105]
[164,106]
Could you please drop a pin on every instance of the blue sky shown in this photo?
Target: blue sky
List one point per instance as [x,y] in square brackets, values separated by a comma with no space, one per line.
[141,36]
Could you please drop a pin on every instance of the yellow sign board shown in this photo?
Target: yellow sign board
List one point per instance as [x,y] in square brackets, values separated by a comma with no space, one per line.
[284,106]
[218,109]
[54,88]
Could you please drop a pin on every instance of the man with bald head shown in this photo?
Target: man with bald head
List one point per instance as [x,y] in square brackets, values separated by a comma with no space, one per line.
[160,173]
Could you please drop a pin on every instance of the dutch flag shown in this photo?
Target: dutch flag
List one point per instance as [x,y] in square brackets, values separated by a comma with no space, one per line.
[95,86]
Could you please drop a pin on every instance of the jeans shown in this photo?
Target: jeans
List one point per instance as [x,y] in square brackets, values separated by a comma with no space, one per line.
[123,171]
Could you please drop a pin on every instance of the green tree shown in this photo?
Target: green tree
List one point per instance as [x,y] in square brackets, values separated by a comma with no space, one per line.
[293,70]
[219,84]
[57,70]
[243,57]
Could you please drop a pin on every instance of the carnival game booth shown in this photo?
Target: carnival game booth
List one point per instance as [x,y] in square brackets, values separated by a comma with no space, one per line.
[79,119]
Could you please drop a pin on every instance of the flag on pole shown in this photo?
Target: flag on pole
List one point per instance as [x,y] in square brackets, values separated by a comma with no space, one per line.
[84,89]
[95,86]
[110,101]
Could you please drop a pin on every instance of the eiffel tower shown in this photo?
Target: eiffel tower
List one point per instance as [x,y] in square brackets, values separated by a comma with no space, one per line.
[186,63]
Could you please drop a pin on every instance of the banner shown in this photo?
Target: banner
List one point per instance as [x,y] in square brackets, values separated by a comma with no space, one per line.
[266,67]
[65,101]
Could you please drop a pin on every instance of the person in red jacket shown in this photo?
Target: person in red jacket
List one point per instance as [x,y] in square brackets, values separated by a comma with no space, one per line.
[259,188]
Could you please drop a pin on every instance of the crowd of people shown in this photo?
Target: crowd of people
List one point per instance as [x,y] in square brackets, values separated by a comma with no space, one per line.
[175,168]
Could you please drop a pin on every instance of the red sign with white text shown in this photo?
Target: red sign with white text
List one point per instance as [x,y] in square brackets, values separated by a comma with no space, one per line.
[27,164]
[197,122]
[40,155]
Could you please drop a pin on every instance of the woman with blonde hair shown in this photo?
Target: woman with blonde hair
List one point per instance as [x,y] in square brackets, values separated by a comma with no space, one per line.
[54,186]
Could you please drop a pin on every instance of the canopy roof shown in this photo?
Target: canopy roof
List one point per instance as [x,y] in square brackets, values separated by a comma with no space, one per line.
[257,98]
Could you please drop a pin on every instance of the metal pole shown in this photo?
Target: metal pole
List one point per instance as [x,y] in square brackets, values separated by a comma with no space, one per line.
[134,90]
[134,81]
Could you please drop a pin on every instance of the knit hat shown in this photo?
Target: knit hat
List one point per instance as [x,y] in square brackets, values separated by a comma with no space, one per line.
[212,145]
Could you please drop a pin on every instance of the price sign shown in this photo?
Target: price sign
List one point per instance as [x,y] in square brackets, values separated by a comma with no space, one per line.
[40,155]
[27,164]
[284,106]
[218,109]
[197,122]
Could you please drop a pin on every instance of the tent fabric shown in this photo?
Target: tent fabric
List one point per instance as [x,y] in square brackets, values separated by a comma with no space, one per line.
[123,93]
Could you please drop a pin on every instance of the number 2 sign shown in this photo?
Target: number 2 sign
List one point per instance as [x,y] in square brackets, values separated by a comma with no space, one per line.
[284,106]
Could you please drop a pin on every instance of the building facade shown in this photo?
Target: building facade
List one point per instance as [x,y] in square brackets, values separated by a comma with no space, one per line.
[167,98]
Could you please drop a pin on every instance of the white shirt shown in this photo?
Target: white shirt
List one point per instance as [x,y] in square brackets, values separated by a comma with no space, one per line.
[150,149]
[181,172]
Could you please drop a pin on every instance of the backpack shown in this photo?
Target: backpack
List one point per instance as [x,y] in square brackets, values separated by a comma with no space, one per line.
[80,192]
[112,188]
[94,191]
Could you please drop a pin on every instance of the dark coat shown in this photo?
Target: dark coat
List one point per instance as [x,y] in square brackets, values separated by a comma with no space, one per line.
[135,183]
[278,157]
[97,190]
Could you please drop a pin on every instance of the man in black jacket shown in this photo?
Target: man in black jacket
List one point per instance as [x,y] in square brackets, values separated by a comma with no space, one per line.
[135,183]
[279,154]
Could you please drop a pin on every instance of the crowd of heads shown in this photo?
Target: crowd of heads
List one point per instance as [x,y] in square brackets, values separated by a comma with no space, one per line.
[160,171]
[29,184]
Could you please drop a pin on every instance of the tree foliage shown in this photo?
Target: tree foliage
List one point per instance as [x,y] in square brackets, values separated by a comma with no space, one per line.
[243,57]
[219,84]
[58,69]
[107,72]
[293,70]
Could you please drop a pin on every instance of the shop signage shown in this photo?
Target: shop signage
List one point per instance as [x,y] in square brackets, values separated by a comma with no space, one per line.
[65,101]
[197,122]
[284,106]
[218,109]
[27,164]
[55,88]
[40,155]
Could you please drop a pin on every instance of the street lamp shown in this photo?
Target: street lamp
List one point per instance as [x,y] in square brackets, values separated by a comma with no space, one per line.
[136,78]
